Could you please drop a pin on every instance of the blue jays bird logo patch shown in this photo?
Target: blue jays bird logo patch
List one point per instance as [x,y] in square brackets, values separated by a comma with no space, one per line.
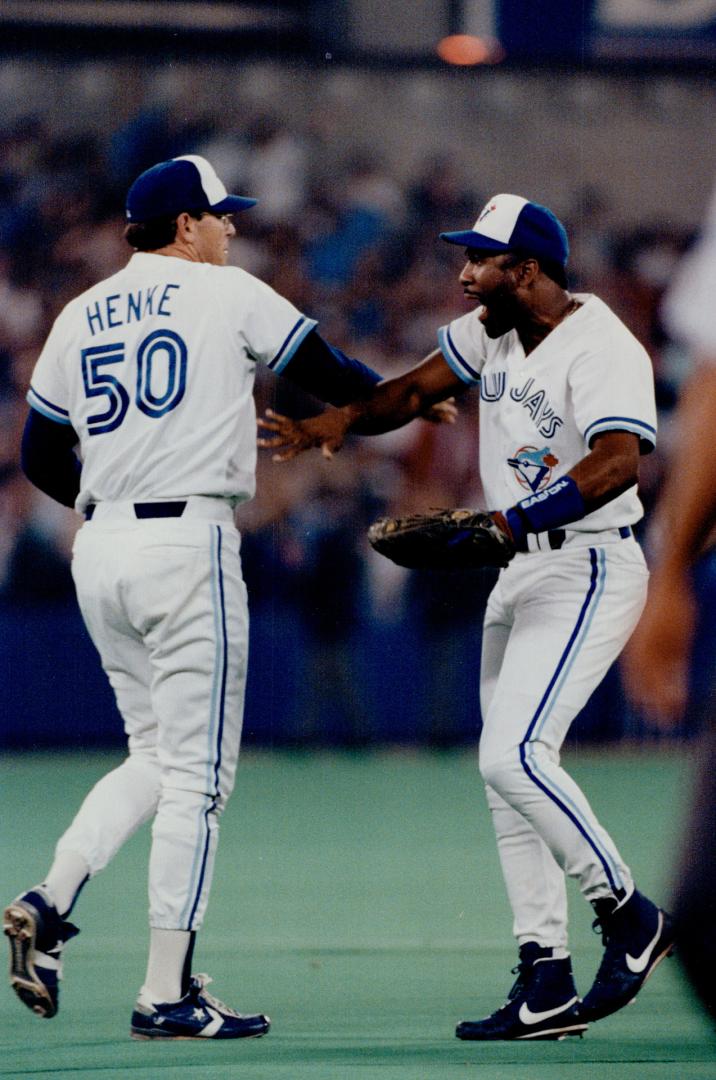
[533,467]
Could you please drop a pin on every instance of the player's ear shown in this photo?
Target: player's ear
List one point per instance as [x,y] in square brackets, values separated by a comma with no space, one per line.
[185,226]
[526,271]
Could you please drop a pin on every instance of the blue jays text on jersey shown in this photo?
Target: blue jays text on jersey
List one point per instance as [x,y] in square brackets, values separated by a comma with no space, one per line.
[540,412]
[547,422]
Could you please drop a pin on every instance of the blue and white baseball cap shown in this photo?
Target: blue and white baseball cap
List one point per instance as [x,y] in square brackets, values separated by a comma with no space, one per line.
[511,223]
[183,183]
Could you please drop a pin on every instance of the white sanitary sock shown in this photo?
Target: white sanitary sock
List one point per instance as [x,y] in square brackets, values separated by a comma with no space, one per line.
[167,956]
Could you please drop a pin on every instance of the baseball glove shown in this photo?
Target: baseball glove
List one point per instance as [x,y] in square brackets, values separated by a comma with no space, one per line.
[442,540]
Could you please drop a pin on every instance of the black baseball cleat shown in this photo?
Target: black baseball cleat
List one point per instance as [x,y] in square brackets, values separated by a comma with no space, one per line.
[37,935]
[198,1015]
[542,1004]
[636,936]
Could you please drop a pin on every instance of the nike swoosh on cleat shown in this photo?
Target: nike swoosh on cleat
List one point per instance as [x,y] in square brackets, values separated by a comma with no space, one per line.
[528,1017]
[637,964]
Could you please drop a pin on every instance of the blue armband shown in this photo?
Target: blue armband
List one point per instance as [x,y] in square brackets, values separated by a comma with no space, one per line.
[552,508]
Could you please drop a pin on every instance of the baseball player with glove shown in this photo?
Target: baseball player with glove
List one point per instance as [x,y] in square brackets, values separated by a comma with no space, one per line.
[151,372]
[566,408]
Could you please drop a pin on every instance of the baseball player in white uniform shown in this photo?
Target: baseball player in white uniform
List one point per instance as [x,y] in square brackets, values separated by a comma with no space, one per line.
[566,408]
[151,372]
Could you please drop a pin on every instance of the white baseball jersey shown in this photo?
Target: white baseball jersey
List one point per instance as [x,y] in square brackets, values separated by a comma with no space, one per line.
[154,369]
[539,412]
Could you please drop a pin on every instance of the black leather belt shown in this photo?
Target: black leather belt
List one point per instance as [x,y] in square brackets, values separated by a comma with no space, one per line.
[149,509]
[556,537]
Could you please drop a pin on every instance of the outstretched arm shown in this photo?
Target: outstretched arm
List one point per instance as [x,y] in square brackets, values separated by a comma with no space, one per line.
[656,661]
[390,405]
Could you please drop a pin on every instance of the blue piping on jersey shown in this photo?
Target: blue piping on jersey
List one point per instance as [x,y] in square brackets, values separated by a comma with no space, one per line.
[204,859]
[621,423]
[293,340]
[456,361]
[42,405]
[216,721]
[527,756]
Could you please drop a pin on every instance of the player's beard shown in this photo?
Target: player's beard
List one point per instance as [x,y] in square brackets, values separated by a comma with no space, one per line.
[499,311]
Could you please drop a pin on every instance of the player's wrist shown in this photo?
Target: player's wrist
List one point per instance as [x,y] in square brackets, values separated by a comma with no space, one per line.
[354,410]
[359,417]
[557,505]
[500,519]
[351,414]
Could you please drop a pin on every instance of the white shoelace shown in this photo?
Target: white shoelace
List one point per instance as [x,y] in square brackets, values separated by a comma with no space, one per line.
[203,980]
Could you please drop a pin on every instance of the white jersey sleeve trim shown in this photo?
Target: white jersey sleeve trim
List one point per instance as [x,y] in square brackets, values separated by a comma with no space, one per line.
[645,432]
[291,343]
[455,359]
[42,405]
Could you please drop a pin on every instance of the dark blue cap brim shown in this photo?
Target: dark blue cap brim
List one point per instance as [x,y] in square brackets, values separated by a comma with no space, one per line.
[474,240]
[232,204]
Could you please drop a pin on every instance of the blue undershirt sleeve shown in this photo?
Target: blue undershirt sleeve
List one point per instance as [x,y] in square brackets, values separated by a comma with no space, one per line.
[48,459]
[327,373]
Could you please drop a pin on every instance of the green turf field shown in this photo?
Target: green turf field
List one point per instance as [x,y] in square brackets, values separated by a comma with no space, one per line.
[358,901]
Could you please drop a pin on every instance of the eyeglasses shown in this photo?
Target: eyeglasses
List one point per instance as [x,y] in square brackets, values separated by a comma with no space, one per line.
[225,219]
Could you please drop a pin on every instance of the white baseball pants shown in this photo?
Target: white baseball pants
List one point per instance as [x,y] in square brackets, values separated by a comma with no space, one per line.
[165,604]
[554,624]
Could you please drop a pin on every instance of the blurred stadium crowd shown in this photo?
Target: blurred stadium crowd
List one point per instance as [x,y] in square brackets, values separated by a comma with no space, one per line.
[356,248]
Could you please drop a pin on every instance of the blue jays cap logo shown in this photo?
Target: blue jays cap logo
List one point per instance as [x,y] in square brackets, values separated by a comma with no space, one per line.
[487,210]
[533,467]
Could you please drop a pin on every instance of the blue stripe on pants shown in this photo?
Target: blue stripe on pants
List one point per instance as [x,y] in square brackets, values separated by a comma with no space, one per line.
[579,633]
[216,721]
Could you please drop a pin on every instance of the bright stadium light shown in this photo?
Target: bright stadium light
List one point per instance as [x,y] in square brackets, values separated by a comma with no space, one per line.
[466,50]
